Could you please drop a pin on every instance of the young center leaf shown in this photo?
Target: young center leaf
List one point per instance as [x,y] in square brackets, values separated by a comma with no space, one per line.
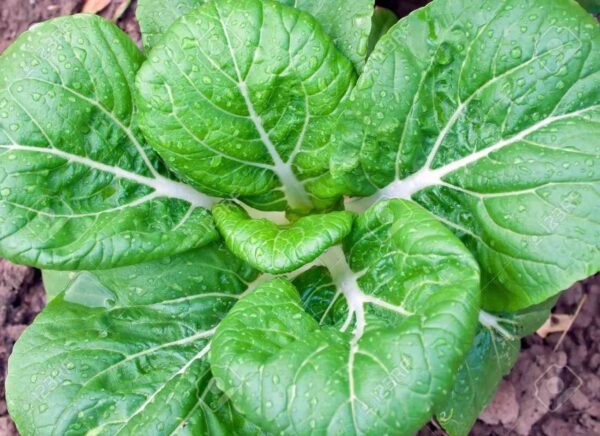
[276,248]
[241,97]
[124,351]
[79,188]
[348,23]
[381,357]
[488,114]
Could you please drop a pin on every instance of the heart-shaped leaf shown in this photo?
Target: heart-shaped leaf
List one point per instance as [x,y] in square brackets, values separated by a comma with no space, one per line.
[279,249]
[403,317]
[488,114]
[79,188]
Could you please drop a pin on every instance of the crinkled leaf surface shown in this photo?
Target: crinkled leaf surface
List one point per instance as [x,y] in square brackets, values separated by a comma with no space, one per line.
[240,98]
[493,354]
[401,328]
[279,249]
[348,23]
[79,188]
[383,20]
[488,113]
[123,351]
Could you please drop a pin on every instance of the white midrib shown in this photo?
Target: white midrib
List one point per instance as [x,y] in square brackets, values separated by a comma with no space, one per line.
[293,188]
[162,186]
[346,282]
[296,195]
[427,177]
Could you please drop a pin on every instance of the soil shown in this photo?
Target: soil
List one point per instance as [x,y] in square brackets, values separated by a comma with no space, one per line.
[549,392]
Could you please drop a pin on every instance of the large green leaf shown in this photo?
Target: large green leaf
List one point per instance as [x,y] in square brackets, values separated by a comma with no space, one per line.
[387,353]
[488,114]
[240,98]
[79,188]
[493,354]
[348,23]
[123,351]
[279,249]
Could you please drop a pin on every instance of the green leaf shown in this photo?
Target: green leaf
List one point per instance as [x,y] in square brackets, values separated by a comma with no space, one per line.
[492,356]
[348,23]
[318,293]
[276,249]
[124,351]
[488,114]
[383,20]
[155,17]
[79,188]
[405,324]
[490,359]
[592,6]
[56,282]
[240,98]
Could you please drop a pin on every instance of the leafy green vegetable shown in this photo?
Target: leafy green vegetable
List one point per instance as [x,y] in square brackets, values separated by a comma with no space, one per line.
[56,282]
[493,354]
[473,135]
[348,23]
[237,113]
[155,17]
[279,249]
[383,20]
[79,188]
[124,351]
[487,113]
[406,323]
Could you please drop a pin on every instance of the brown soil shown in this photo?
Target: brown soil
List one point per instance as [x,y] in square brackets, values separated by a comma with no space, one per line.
[548,392]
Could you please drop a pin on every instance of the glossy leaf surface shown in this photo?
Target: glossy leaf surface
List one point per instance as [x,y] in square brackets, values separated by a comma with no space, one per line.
[348,23]
[240,99]
[123,351]
[79,188]
[404,320]
[488,114]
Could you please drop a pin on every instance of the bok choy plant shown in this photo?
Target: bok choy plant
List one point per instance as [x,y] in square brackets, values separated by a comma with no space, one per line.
[294,217]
